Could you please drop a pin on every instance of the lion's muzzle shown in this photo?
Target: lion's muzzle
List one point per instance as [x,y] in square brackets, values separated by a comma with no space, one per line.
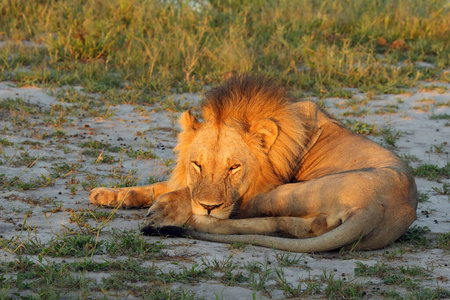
[209,208]
[209,199]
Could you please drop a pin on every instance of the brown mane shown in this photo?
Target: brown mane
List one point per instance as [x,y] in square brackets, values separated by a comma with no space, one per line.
[245,99]
[240,102]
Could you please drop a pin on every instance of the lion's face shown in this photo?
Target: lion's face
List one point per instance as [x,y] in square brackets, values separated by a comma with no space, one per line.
[220,168]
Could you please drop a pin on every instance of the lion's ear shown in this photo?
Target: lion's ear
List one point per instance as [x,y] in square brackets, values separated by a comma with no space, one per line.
[188,121]
[267,131]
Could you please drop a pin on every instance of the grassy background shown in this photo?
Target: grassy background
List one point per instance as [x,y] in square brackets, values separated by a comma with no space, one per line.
[151,45]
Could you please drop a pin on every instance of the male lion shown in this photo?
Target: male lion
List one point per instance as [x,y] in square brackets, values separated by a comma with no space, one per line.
[278,174]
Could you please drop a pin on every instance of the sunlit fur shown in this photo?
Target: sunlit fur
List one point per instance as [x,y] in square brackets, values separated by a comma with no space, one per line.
[240,103]
[300,174]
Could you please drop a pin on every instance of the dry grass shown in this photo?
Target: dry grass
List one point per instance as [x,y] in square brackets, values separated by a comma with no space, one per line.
[155,45]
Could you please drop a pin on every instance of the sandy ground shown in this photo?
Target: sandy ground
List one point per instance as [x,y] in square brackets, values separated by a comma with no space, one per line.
[127,126]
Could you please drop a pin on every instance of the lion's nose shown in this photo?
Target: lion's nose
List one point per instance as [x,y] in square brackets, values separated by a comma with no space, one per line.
[209,208]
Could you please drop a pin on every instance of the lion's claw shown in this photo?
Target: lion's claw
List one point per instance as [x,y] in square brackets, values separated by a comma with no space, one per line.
[149,213]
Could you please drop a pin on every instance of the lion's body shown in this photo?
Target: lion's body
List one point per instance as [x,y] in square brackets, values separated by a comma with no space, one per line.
[260,164]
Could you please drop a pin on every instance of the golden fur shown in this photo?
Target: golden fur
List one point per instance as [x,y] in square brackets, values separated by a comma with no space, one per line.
[261,165]
[244,101]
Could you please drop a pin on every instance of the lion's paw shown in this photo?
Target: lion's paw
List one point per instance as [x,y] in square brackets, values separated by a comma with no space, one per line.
[171,209]
[103,197]
[113,198]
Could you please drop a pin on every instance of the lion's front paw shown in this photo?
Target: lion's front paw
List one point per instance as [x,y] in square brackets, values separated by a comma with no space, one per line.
[171,209]
[125,198]
[103,197]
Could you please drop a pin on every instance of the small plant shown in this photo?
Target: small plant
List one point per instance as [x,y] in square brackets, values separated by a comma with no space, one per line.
[359,112]
[432,171]
[73,189]
[132,244]
[141,154]
[422,197]
[288,259]
[172,105]
[259,276]
[100,216]
[90,182]
[286,287]
[98,145]
[442,103]
[440,117]
[59,134]
[443,241]
[361,127]
[5,142]
[390,136]
[409,158]
[389,109]
[428,293]
[237,246]
[397,253]
[415,236]
[125,180]
[339,289]
[105,158]
[154,179]
[392,275]
[168,162]
[25,159]
[445,190]
[438,149]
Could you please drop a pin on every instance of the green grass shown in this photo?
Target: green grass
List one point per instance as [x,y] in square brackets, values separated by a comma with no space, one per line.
[432,172]
[51,280]
[85,243]
[440,117]
[339,289]
[408,158]
[445,190]
[98,145]
[389,109]
[408,277]
[422,197]
[443,241]
[382,270]
[390,136]
[362,127]
[415,236]
[155,45]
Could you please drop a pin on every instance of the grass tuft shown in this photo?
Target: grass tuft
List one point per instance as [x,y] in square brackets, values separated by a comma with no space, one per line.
[432,172]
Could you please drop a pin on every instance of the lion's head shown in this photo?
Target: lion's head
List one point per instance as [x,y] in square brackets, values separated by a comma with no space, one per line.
[249,142]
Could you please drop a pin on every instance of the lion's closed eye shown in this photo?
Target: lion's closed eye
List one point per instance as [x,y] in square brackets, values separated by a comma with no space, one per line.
[234,168]
[196,166]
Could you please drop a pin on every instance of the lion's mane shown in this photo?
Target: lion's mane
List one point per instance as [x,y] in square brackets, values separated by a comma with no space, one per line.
[239,103]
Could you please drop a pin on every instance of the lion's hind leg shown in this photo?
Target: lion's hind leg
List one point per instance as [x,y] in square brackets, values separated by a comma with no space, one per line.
[396,222]
[130,197]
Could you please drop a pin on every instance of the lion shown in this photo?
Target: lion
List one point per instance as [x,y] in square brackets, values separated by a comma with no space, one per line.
[264,169]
